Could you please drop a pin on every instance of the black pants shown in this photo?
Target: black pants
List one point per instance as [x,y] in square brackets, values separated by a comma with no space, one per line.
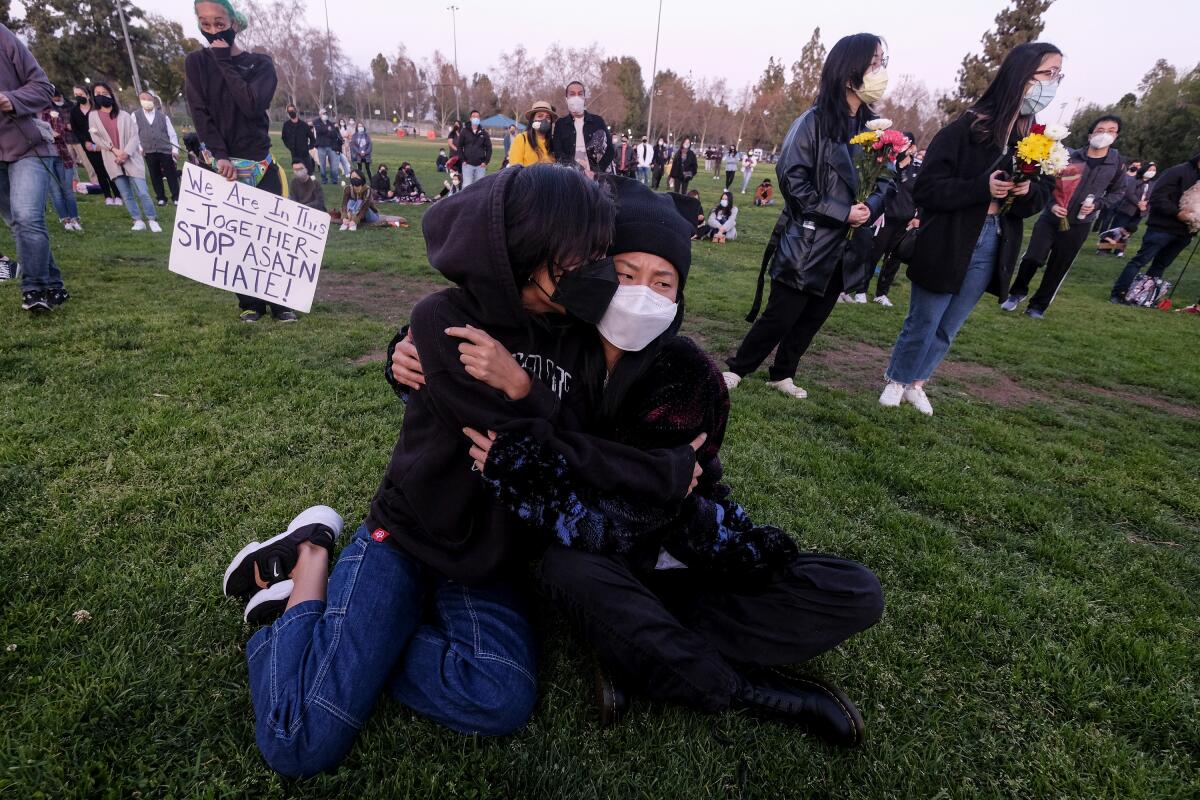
[365,168]
[883,246]
[305,159]
[158,167]
[272,183]
[107,187]
[679,636]
[729,177]
[787,325]
[681,185]
[656,173]
[1057,250]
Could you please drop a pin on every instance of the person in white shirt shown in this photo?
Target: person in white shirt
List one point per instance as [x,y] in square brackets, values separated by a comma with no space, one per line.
[645,160]
[160,147]
[747,170]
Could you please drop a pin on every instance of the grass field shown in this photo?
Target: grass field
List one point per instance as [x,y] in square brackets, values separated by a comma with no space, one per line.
[1038,540]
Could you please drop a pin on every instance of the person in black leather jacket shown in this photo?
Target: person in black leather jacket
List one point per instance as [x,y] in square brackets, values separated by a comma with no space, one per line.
[820,186]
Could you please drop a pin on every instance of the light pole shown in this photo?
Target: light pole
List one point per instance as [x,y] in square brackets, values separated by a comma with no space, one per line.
[654,71]
[329,52]
[137,80]
[454,30]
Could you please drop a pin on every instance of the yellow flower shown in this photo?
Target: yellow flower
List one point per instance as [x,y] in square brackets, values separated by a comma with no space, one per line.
[866,137]
[1034,148]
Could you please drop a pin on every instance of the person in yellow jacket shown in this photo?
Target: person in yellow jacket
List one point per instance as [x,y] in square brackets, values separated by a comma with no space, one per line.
[533,146]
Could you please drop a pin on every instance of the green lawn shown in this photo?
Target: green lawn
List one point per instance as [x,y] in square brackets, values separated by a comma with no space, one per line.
[1037,540]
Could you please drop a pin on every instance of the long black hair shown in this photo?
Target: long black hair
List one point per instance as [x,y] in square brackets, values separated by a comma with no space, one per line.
[1001,101]
[116,107]
[845,66]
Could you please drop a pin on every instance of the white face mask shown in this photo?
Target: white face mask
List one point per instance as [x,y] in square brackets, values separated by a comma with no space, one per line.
[148,105]
[724,204]
[1101,140]
[1038,96]
[1149,174]
[636,317]
[874,85]
[575,104]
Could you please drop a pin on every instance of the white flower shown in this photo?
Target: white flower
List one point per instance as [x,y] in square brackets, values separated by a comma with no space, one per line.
[1056,131]
[1056,161]
[880,124]
[81,616]
[11,648]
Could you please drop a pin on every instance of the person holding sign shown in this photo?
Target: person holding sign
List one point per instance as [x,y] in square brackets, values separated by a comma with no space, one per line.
[228,94]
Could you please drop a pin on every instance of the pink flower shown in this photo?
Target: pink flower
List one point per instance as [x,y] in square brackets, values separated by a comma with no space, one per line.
[879,159]
[878,145]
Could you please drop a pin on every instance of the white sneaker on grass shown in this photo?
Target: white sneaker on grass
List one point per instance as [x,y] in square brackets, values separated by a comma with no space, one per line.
[138,225]
[788,387]
[845,298]
[1013,301]
[154,226]
[732,379]
[916,397]
[861,297]
[345,226]
[892,394]
[883,301]
[268,603]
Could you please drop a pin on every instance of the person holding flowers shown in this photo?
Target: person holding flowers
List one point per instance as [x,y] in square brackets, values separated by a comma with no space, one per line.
[1092,183]
[972,214]
[826,198]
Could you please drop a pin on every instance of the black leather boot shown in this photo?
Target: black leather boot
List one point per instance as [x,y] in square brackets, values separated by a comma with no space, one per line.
[822,708]
[611,701]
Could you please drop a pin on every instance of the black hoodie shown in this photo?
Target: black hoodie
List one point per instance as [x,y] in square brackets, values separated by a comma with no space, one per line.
[430,502]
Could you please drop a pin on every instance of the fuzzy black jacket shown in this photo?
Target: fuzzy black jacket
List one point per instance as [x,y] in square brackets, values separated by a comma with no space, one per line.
[953,193]
[1164,198]
[595,132]
[430,502]
[229,97]
[298,138]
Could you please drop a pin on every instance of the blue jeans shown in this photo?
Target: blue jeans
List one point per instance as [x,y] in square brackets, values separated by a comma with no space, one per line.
[464,657]
[23,188]
[1158,249]
[471,174]
[329,161]
[62,194]
[643,175]
[135,192]
[934,318]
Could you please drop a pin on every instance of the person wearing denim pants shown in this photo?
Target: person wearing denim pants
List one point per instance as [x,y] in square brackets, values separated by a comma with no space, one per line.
[62,195]
[935,318]
[318,671]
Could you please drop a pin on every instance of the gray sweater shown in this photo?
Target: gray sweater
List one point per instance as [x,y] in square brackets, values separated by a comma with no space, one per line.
[26,86]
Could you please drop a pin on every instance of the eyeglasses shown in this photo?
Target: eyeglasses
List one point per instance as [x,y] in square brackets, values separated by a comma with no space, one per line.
[1053,74]
[882,61]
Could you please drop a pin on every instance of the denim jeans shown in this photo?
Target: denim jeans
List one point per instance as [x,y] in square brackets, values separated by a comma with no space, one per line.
[643,175]
[471,174]
[1158,249]
[329,160]
[934,318]
[135,192]
[464,657]
[62,192]
[23,188]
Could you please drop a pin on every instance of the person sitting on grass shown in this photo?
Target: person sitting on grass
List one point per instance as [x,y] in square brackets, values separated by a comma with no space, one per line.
[382,184]
[358,203]
[408,189]
[305,189]
[721,225]
[452,185]
[701,220]
[764,195]
[683,602]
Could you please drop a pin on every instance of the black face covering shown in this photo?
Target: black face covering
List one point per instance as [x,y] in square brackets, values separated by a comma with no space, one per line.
[104,101]
[356,181]
[226,36]
[293,113]
[586,291]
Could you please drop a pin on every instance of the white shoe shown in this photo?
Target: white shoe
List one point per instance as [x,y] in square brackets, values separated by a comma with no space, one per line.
[788,387]
[915,396]
[860,298]
[732,379]
[353,226]
[268,603]
[845,298]
[1012,302]
[345,226]
[138,226]
[883,301]
[892,394]
[154,226]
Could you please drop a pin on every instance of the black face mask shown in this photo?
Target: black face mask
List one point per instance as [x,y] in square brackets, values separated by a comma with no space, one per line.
[293,114]
[542,126]
[356,181]
[586,291]
[80,100]
[104,101]
[226,36]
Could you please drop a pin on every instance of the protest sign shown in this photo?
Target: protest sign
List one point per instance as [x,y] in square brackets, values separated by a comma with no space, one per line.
[242,239]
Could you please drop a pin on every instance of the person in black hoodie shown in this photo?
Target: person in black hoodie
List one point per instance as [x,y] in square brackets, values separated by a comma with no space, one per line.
[299,139]
[1167,229]
[79,124]
[1101,187]
[423,602]
[475,151]
[899,216]
[582,137]
[820,247]
[329,147]
[970,239]
[683,167]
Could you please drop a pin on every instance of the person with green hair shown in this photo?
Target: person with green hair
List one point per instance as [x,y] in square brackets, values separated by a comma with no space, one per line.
[228,92]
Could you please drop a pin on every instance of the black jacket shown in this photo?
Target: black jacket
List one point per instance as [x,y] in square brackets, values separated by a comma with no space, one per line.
[327,133]
[953,194]
[900,204]
[660,157]
[229,97]
[1136,190]
[79,124]
[475,146]
[818,198]
[1169,187]
[430,502]
[381,183]
[595,131]
[298,137]
[683,165]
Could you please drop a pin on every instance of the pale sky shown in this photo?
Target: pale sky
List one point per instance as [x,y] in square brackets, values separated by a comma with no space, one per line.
[1108,44]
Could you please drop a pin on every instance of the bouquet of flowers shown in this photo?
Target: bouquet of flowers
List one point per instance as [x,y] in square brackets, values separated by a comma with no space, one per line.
[1041,152]
[1189,207]
[880,147]
[1065,184]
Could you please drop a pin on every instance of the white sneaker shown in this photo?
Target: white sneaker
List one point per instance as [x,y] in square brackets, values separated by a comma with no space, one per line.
[732,379]
[845,298]
[154,226]
[138,226]
[345,226]
[892,394]
[789,388]
[353,226]
[861,297]
[915,395]
[883,301]
[1012,302]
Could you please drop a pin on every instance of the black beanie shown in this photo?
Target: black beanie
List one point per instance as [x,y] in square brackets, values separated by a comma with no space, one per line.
[651,222]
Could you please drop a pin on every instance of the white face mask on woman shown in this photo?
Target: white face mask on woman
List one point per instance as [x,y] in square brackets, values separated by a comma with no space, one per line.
[636,317]
[1038,96]
[874,85]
